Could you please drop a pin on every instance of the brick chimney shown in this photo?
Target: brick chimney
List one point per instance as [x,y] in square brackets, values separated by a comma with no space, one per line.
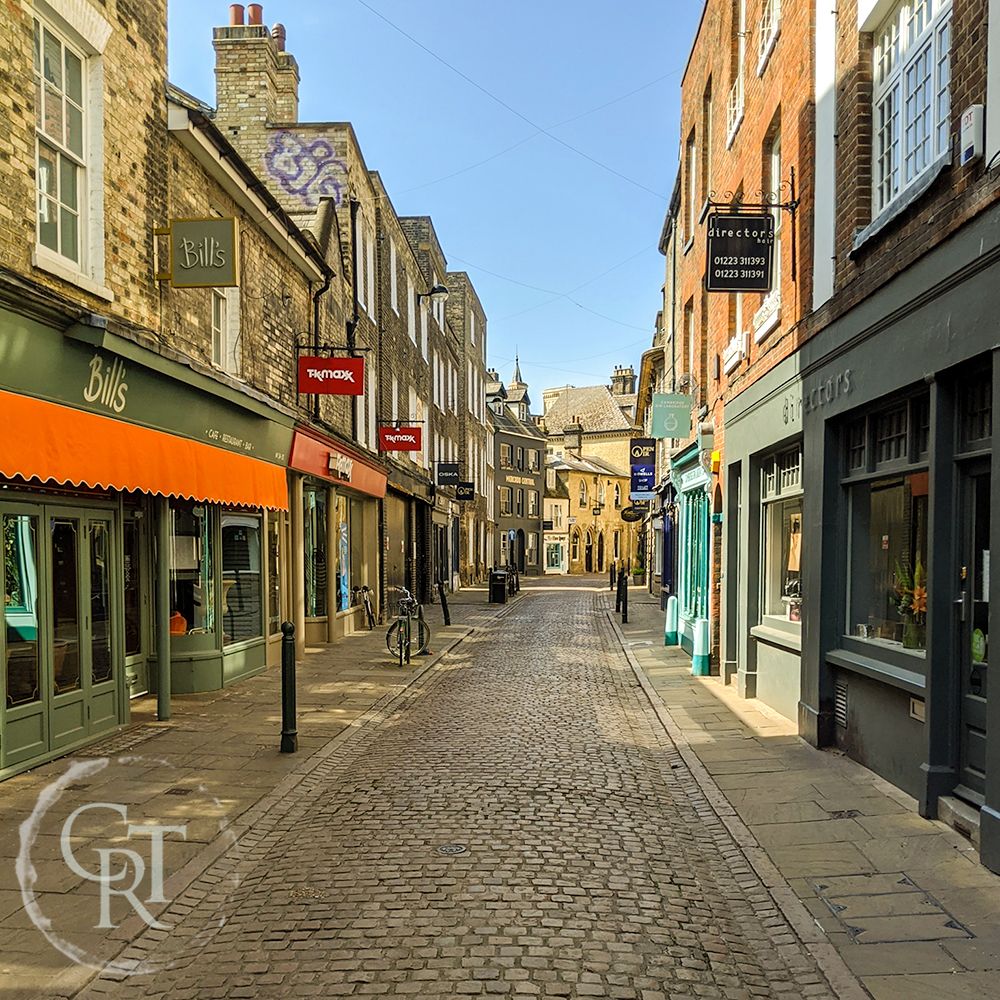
[623,381]
[256,81]
[573,437]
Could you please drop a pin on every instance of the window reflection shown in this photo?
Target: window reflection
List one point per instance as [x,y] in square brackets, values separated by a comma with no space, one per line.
[65,606]
[242,589]
[20,606]
[100,603]
[192,598]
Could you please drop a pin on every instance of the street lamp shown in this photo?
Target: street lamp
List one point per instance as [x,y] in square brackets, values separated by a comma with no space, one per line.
[437,294]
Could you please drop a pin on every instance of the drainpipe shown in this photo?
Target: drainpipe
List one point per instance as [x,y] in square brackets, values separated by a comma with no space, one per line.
[162,614]
[352,323]
[316,297]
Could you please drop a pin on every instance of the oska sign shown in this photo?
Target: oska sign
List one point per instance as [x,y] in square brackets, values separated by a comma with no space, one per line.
[399,438]
[332,376]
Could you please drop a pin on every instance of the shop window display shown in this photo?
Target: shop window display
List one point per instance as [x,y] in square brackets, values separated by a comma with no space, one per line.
[242,582]
[273,575]
[783,560]
[314,501]
[889,601]
[20,607]
[343,525]
[192,596]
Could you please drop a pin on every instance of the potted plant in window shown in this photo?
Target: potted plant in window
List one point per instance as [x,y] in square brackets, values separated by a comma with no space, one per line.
[911,603]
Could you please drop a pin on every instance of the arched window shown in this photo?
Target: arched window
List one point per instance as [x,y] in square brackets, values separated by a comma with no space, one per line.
[601,494]
[583,494]
[575,546]
[618,495]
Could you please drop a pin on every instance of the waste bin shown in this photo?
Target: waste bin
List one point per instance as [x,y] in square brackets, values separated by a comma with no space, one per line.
[498,587]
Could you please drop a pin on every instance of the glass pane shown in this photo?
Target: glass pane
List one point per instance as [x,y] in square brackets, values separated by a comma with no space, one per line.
[52,121]
[74,129]
[890,599]
[48,227]
[74,77]
[343,525]
[20,600]
[37,48]
[52,60]
[783,560]
[192,591]
[273,576]
[67,182]
[242,583]
[314,503]
[69,235]
[47,170]
[100,603]
[65,606]
[133,591]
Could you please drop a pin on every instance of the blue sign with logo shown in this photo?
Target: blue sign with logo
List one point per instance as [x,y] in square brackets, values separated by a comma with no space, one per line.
[642,459]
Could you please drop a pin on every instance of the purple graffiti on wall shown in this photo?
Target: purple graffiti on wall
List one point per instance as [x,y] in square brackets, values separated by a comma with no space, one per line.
[307,170]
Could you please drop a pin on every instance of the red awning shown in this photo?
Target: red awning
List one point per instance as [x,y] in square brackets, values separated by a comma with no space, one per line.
[328,459]
[40,440]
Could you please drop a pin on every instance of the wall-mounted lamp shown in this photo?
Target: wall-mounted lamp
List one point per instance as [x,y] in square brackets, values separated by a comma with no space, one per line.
[437,294]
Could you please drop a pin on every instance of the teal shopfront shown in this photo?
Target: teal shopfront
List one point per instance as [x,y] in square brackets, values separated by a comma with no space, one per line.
[141,511]
[692,484]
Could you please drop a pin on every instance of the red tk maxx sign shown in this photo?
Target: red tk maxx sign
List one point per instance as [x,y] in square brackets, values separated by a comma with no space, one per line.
[399,438]
[332,376]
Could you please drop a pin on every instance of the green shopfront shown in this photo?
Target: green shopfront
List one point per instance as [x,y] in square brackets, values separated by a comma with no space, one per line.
[692,484]
[140,511]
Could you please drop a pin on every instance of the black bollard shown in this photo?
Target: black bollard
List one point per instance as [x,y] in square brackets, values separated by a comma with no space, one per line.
[444,603]
[612,586]
[289,734]
[624,599]
[618,593]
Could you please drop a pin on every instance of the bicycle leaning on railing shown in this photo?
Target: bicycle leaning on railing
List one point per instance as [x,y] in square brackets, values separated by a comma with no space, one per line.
[409,635]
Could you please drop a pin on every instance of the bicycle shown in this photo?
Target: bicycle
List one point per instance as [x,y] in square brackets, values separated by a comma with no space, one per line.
[363,594]
[400,640]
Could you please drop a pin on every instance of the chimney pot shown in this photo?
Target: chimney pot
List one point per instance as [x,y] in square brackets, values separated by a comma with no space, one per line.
[235,15]
[279,35]
[256,14]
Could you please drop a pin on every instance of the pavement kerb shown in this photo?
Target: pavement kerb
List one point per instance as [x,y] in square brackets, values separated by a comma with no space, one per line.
[844,983]
[68,983]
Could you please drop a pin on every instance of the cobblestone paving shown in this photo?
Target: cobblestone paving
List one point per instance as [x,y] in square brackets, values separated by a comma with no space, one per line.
[593,865]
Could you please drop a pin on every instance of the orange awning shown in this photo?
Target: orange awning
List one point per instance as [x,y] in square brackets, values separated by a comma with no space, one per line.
[40,440]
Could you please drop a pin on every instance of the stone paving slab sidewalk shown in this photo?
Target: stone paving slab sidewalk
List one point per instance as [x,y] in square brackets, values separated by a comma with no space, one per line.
[224,740]
[903,899]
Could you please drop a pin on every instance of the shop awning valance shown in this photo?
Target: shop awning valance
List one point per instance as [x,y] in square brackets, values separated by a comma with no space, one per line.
[53,443]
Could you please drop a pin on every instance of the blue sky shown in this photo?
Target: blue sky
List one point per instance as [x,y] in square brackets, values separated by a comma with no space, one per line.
[540,214]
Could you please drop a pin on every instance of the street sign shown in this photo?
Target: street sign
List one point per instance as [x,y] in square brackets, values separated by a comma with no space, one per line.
[671,415]
[448,474]
[331,376]
[465,491]
[633,514]
[400,438]
[642,458]
[740,252]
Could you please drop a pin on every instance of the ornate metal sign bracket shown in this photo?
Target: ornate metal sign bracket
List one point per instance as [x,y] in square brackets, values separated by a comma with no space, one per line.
[784,199]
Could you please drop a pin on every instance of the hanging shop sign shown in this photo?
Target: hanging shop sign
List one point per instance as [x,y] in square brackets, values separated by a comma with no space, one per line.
[642,459]
[671,415]
[400,438]
[331,376]
[202,253]
[465,491]
[740,252]
[448,474]
[633,514]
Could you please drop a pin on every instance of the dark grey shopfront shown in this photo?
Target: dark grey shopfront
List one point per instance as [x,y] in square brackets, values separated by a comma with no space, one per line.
[885,420]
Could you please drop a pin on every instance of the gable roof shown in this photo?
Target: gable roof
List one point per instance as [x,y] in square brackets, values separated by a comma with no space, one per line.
[592,406]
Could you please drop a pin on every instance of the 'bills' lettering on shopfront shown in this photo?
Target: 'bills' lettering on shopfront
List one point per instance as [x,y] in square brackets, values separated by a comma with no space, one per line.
[332,376]
[107,385]
[400,438]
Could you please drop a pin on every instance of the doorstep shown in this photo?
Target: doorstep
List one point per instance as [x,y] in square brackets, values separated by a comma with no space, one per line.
[903,900]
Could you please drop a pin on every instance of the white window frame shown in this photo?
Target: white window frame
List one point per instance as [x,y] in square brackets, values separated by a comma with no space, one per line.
[472,327]
[411,309]
[359,253]
[770,29]
[371,273]
[423,329]
[226,346]
[735,102]
[910,139]
[395,399]
[768,316]
[80,27]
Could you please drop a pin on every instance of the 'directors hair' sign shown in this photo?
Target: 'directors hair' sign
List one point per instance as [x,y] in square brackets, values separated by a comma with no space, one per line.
[740,253]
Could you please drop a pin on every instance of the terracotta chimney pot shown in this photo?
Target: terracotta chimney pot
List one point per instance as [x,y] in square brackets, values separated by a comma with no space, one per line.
[256,14]
[235,15]
[279,35]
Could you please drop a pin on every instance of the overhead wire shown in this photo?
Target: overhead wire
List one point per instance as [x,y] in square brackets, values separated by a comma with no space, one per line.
[499,100]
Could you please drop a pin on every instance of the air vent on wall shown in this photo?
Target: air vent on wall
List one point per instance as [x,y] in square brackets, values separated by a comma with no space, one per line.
[840,704]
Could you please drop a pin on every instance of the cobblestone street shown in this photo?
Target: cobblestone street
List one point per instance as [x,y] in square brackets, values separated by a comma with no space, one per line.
[517,822]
